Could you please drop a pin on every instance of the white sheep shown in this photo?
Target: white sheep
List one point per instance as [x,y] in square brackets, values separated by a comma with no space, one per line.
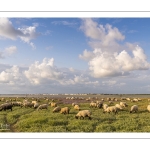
[43,106]
[105,106]
[36,105]
[76,107]
[56,109]
[148,108]
[123,104]
[92,104]
[119,106]
[83,114]
[111,109]
[65,110]
[52,104]
[134,108]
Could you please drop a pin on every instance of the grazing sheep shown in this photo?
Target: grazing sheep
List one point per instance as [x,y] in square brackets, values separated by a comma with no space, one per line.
[56,109]
[65,110]
[92,104]
[148,108]
[111,109]
[34,102]
[73,104]
[105,106]
[83,114]
[134,108]
[43,106]
[6,106]
[100,105]
[76,107]
[17,104]
[52,104]
[36,105]
[119,107]
[28,104]
[123,104]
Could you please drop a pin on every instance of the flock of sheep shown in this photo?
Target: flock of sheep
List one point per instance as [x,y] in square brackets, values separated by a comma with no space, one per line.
[81,114]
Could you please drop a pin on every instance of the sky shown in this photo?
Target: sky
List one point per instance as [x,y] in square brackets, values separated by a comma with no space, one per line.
[74,55]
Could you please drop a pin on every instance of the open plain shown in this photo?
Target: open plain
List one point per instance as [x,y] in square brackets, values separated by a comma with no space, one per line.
[30,119]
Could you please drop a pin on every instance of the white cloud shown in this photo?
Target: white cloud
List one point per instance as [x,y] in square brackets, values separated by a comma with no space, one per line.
[104,37]
[43,72]
[10,50]
[10,76]
[108,57]
[26,34]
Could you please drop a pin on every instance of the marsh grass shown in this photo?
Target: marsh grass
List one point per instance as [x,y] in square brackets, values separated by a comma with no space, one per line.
[31,120]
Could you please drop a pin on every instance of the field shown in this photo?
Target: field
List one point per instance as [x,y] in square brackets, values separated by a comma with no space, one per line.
[30,120]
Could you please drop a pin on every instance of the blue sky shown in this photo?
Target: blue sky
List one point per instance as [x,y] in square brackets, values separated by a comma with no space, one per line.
[74,55]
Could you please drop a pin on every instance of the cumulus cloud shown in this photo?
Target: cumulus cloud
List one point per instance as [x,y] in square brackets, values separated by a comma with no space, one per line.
[108,57]
[104,37]
[10,76]
[26,34]
[41,72]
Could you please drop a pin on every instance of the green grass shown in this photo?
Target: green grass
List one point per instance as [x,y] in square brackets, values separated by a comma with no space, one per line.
[31,120]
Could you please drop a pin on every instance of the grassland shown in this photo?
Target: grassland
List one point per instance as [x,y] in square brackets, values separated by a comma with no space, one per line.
[31,120]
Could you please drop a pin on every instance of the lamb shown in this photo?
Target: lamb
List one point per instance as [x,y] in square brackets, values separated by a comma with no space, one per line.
[111,109]
[76,107]
[43,106]
[83,114]
[123,104]
[134,108]
[148,108]
[65,110]
[56,109]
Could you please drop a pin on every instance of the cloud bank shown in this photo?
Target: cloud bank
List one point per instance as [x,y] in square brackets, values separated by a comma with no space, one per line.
[109,58]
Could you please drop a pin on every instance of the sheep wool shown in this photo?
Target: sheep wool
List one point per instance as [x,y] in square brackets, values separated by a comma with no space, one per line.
[56,109]
[111,109]
[65,110]
[76,107]
[83,114]
[134,108]
[148,108]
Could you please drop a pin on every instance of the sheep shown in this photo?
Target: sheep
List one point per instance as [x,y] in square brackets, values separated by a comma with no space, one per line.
[73,104]
[111,109]
[56,109]
[123,104]
[36,105]
[17,104]
[148,108]
[119,107]
[28,104]
[6,106]
[76,107]
[34,102]
[134,108]
[105,106]
[83,114]
[52,104]
[100,105]
[42,106]
[65,110]
[92,104]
